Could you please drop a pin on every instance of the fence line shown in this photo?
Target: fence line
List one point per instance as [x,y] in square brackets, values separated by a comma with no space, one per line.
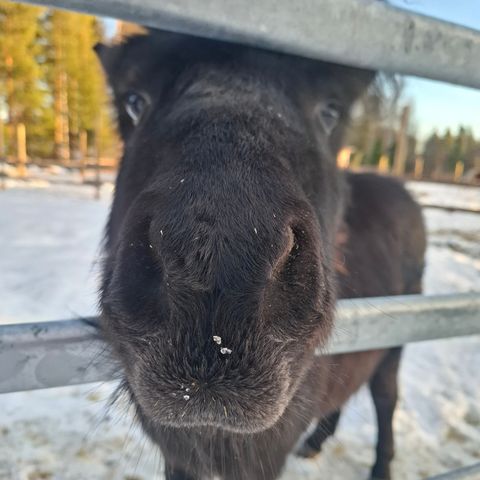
[363,33]
[69,352]
[450,208]
[467,473]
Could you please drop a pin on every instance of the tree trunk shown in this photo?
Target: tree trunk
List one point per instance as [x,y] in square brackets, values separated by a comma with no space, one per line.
[401,149]
[62,146]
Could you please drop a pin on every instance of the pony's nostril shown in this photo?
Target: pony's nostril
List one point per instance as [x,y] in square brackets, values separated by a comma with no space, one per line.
[289,244]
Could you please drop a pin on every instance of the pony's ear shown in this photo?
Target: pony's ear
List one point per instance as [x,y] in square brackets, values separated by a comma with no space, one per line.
[355,81]
[107,56]
[364,78]
[99,48]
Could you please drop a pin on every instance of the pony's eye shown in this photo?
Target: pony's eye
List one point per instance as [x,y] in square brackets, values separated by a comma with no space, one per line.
[328,115]
[135,105]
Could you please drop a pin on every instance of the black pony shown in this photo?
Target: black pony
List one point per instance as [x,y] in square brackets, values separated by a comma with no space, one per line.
[230,237]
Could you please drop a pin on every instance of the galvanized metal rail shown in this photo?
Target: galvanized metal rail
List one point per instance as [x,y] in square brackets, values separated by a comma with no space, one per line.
[51,354]
[381,322]
[363,33]
[467,473]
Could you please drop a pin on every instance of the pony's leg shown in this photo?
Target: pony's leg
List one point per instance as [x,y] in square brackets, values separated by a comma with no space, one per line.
[383,387]
[175,474]
[325,427]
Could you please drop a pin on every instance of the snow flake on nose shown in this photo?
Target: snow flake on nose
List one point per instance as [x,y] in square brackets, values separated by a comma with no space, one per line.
[223,350]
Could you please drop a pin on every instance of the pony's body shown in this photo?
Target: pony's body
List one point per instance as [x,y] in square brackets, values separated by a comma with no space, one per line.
[230,235]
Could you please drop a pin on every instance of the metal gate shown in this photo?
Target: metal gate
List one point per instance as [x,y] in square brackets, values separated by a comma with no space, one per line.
[50,354]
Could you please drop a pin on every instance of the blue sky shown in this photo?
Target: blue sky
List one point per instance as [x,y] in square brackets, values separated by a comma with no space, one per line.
[438,105]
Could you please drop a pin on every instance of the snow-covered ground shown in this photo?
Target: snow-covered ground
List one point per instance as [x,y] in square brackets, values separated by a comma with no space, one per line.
[49,252]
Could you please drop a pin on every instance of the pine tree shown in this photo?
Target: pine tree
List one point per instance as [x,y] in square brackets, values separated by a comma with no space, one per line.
[77,83]
[94,112]
[20,73]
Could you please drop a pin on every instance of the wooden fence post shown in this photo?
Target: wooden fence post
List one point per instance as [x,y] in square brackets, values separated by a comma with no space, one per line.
[83,153]
[384,164]
[21,150]
[3,160]
[419,164]
[459,166]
